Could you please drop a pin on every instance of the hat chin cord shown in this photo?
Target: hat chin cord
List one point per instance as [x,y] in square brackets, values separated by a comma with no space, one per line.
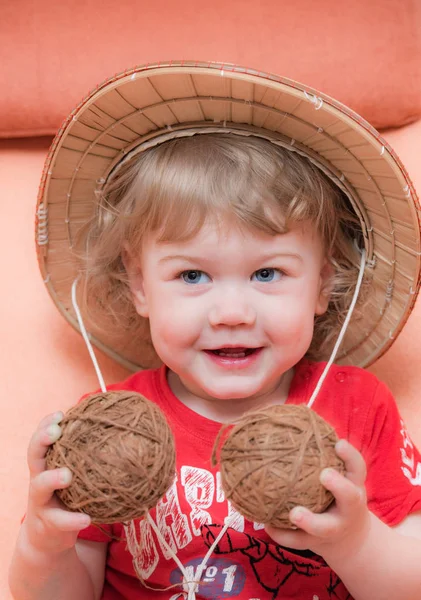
[343,329]
[191,581]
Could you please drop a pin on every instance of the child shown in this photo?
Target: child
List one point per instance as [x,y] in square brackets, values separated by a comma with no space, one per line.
[231,214]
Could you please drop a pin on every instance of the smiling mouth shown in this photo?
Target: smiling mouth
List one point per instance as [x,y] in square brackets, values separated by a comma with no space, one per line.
[233,352]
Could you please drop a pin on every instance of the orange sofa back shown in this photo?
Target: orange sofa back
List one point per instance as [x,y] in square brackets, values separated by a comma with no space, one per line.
[365,53]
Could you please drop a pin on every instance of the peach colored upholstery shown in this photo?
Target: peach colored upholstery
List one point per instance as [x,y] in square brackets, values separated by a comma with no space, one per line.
[45,366]
[363,53]
[366,54]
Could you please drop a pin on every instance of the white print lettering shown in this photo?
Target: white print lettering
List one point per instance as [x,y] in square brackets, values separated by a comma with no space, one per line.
[201,489]
[177,534]
[184,595]
[411,468]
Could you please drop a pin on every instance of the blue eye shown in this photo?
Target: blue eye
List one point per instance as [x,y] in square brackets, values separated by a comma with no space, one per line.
[194,276]
[266,275]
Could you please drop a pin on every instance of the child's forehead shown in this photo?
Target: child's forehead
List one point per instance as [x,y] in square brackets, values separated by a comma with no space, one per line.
[218,233]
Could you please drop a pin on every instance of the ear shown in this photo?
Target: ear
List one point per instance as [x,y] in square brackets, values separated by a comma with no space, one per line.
[135,278]
[325,287]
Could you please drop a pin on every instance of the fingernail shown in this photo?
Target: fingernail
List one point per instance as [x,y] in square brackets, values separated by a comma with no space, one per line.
[54,432]
[341,445]
[85,522]
[296,515]
[57,417]
[327,475]
[65,475]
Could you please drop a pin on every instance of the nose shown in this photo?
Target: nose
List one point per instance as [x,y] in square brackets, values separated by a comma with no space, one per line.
[232,308]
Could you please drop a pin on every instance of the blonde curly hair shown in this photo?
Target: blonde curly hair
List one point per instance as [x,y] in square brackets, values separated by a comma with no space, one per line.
[171,189]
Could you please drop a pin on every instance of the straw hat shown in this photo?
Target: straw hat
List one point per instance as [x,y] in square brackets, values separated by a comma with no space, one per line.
[150,104]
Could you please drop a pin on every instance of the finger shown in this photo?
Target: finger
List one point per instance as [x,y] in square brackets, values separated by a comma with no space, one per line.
[356,470]
[289,538]
[43,437]
[54,417]
[43,485]
[348,495]
[65,520]
[322,525]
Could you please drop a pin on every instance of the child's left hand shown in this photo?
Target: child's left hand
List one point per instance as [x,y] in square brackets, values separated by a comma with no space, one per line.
[345,525]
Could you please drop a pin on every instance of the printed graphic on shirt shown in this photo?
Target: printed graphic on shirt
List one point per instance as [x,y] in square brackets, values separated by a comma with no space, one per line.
[221,579]
[411,467]
[275,568]
[239,562]
[271,567]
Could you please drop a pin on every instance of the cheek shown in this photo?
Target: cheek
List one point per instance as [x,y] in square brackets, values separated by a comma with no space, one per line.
[293,318]
[297,303]
[299,328]
[172,323]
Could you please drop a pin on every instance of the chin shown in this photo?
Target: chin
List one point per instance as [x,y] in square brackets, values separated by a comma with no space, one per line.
[231,392]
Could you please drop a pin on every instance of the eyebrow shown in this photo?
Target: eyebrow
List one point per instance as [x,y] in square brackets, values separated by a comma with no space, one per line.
[263,258]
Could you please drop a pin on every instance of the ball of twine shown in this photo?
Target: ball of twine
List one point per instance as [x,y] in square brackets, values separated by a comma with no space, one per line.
[121,452]
[271,461]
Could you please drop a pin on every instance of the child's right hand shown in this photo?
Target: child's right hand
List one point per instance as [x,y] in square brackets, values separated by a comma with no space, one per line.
[49,527]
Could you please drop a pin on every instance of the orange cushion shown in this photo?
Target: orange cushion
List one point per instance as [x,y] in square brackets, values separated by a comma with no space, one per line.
[400,366]
[366,54]
[44,363]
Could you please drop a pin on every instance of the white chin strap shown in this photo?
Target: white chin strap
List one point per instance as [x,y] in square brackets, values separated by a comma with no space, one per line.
[342,331]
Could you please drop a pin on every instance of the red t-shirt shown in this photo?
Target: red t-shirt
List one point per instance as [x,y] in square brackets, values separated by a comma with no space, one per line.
[247,564]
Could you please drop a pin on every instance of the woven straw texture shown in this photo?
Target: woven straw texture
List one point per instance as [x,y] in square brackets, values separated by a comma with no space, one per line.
[149,104]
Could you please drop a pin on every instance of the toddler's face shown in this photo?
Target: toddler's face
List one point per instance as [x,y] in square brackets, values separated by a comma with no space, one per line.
[231,310]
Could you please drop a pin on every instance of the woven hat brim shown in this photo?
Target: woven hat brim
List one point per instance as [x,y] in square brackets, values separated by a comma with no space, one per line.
[150,102]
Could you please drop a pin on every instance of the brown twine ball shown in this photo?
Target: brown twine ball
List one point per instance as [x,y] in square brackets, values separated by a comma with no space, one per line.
[121,452]
[271,461]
